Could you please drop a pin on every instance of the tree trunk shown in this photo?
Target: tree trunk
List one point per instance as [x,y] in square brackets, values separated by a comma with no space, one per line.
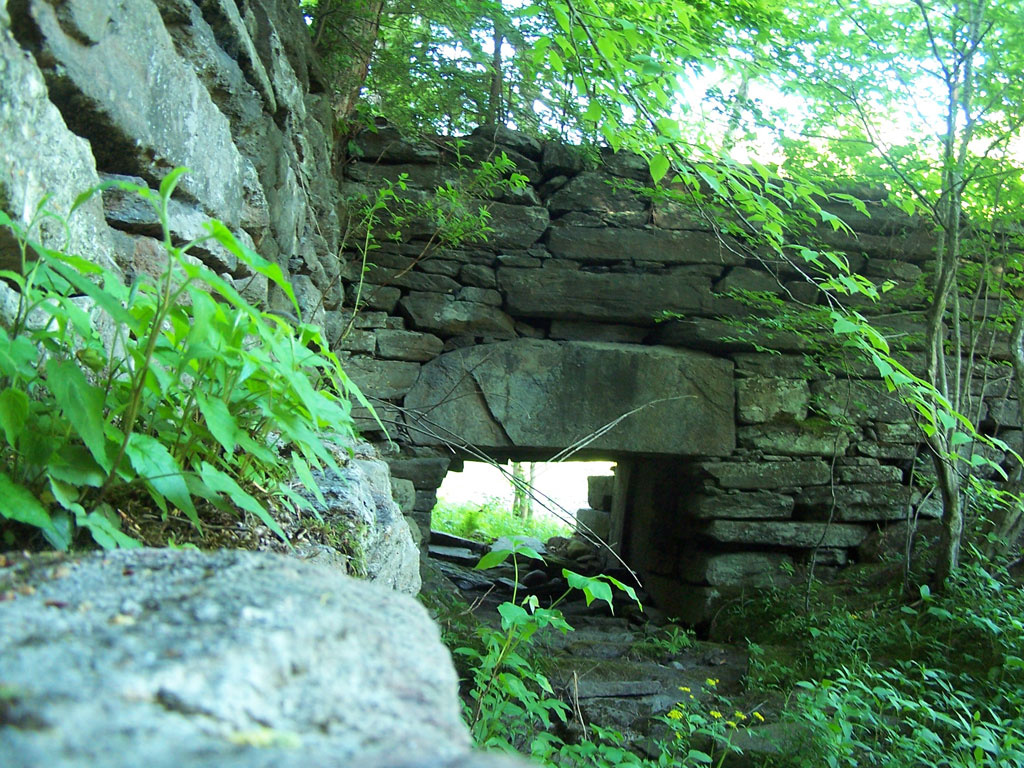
[495,111]
[355,26]
[952,520]
[522,500]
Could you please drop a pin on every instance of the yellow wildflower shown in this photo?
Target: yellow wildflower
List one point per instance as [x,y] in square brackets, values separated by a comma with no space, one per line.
[739,715]
[715,714]
[711,682]
[759,717]
[674,714]
[684,688]
[731,723]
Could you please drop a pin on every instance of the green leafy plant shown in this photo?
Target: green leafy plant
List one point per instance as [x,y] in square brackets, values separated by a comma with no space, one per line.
[662,642]
[702,733]
[510,697]
[877,680]
[174,392]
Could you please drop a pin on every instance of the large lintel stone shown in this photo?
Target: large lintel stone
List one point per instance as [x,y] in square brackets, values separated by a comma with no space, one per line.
[545,394]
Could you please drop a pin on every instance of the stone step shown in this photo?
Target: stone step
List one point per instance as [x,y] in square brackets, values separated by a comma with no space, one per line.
[450,554]
[451,540]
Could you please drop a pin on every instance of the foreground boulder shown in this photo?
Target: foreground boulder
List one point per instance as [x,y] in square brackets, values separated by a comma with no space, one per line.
[190,659]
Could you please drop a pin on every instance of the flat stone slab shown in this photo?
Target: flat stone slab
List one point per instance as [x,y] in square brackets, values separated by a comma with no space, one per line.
[740,569]
[609,297]
[738,505]
[861,502]
[601,244]
[601,689]
[546,394]
[446,316]
[459,555]
[785,534]
[766,474]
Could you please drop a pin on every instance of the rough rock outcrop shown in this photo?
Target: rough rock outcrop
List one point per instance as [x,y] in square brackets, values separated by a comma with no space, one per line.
[231,659]
[360,504]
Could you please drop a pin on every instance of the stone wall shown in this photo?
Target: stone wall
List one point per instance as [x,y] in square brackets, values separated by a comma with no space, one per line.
[739,458]
[93,89]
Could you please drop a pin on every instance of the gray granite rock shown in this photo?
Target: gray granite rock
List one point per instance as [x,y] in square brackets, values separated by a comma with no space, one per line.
[766,399]
[447,316]
[359,504]
[141,113]
[738,505]
[181,658]
[785,534]
[39,155]
[599,245]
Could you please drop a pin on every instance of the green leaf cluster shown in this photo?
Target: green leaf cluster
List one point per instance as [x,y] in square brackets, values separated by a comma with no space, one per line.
[173,392]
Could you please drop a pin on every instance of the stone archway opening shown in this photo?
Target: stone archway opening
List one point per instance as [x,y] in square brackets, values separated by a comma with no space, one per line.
[554,498]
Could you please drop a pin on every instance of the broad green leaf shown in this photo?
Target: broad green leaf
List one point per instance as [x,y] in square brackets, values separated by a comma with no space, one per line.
[74,464]
[82,404]
[608,47]
[561,17]
[153,462]
[65,494]
[593,588]
[18,503]
[659,166]
[105,531]
[844,326]
[594,111]
[515,688]
[491,559]
[268,269]
[306,476]
[13,414]
[107,300]
[960,438]
[512,615]
[219,421]
[623,588]
[876,339]
[223,483]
